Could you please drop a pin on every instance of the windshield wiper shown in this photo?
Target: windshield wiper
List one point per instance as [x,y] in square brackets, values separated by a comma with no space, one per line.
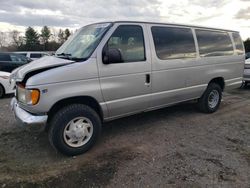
[70,57]
[77,59]
[63,54]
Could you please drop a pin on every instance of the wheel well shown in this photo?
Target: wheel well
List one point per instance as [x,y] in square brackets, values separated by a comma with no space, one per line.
[220,81]
[89,101]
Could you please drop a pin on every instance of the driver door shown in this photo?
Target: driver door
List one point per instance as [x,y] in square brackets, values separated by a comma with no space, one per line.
[126,84]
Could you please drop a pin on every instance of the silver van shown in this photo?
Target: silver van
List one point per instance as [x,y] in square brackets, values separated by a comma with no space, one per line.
[111,70]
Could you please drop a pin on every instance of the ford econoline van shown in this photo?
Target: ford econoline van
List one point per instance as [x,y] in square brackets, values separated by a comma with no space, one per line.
[111,70]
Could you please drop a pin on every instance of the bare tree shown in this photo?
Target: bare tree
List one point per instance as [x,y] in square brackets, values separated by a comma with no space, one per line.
[2,39]
[16,38]
[54,34]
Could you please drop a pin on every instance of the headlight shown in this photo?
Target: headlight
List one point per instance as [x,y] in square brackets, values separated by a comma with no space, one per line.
[28,96]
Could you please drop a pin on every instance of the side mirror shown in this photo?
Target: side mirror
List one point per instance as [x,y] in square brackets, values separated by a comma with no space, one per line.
[112,55]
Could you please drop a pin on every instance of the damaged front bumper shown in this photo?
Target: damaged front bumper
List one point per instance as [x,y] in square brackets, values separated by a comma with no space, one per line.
[25,118]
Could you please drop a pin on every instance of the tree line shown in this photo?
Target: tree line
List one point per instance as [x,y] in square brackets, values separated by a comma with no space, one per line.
[47,40]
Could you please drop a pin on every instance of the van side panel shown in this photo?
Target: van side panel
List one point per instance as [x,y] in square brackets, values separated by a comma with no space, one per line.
[229,68]
[177,80]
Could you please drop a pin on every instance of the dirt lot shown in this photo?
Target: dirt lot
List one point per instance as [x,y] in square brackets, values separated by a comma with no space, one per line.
[175,146]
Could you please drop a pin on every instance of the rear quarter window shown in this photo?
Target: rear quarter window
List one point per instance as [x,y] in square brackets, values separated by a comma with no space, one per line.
[238,44]
[36,55]
[214,43]
[4,57]
[173,42]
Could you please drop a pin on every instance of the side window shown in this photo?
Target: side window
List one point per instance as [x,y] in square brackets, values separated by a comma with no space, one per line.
[129,40]
[23,54]
[173,43]
[17,59]
[238,44]
[35,55]
[214,43]
[14,58]
[4,57]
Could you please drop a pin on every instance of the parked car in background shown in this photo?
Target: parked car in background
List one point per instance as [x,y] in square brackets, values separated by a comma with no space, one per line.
[246,77]
[111,70]
[10,61]
[247,55]
[5,86]
[33,54]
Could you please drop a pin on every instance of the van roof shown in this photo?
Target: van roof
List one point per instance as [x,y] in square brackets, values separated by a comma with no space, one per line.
[173,24]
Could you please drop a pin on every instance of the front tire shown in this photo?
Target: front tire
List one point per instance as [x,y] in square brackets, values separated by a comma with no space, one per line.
[211,99]
[74,129]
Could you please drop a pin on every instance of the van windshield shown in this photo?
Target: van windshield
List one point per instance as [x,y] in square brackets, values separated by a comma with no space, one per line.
[81,45]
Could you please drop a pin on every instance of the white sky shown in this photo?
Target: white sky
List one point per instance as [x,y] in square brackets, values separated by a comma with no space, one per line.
[228,14]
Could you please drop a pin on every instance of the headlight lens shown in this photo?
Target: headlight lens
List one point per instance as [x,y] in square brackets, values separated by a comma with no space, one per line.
[28,96]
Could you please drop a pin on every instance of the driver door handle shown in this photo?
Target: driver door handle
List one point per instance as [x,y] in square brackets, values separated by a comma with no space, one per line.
[147,79]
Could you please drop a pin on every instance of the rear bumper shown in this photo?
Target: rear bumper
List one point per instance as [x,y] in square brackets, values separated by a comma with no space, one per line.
[246,76]
[25,118]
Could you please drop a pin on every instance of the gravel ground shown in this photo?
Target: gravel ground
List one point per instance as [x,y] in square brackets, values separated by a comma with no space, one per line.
[172,147]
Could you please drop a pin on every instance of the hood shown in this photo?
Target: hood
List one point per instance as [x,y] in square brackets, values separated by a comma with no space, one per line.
[4,73]
[43,63]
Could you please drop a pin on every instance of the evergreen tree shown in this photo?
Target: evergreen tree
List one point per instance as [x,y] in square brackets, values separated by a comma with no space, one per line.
[31,39]
[247,45]
[45,36]
[67,34]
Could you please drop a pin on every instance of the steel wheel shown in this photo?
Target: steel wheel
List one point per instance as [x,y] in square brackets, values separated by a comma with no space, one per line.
[213,99]
[78,132]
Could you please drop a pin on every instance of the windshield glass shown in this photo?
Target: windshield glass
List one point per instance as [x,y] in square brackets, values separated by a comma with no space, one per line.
[82,44]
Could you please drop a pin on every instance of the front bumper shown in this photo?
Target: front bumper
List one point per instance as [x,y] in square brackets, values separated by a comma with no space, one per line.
[25,118]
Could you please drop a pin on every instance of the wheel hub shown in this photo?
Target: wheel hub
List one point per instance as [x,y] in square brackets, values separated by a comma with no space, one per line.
[213,99]
[78,132]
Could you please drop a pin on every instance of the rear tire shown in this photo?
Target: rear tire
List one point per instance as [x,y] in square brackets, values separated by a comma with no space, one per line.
[211,99]
[2,91]
[74,129]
